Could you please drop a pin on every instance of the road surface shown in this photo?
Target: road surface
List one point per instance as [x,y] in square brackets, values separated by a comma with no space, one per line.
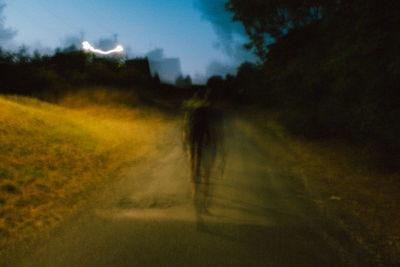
[260,215]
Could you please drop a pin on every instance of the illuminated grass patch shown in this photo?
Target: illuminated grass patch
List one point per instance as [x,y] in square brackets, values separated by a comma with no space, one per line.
[52,156]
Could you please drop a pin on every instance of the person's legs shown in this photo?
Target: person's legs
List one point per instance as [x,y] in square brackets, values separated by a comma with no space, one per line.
[195,161]
[206,189]
[207,168]
[202,161]
[197,196]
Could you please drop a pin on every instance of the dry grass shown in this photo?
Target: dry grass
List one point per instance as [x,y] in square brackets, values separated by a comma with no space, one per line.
[364,202]
[52,156]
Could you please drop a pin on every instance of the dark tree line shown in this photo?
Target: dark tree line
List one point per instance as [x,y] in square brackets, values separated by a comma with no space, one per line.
[21,73]
[332,69]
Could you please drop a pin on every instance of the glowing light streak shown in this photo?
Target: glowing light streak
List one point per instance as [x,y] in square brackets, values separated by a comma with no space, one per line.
[88,47]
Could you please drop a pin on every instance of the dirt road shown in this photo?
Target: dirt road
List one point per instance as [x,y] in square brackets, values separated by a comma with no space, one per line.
[260,216]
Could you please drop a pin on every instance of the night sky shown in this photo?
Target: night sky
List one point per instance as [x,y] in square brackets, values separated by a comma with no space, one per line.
[198,32]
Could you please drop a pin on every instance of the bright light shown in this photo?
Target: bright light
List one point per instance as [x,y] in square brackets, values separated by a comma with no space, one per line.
[88,47]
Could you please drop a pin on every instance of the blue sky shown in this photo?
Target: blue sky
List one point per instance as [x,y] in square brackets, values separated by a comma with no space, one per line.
[199,32]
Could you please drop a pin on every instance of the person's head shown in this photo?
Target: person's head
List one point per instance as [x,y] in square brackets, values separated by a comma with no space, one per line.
[205,96]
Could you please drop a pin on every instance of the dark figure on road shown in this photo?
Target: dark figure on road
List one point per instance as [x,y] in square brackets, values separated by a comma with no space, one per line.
[203,139]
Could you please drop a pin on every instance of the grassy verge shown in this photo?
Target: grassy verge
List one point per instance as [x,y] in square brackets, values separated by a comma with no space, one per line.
[53,156]
[365,202]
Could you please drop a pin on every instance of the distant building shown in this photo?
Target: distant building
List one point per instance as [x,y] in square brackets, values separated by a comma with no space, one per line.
[168,69]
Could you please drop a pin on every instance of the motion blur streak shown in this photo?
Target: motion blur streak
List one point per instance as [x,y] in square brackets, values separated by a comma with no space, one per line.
[88,47]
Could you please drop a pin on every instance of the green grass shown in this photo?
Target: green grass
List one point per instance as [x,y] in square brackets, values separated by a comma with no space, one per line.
[51,156]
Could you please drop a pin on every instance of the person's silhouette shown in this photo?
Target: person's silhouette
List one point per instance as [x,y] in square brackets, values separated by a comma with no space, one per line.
[203,140]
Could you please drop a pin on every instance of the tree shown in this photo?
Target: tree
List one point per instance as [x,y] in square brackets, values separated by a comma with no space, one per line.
[183,82]
[263,19]
[156,79]
[215,82]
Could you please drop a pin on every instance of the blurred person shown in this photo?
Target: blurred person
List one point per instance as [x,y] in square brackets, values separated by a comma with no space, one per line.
[203,140]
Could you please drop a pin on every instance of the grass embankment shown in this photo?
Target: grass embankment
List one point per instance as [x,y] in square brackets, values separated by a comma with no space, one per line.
[364,201]
[53,156]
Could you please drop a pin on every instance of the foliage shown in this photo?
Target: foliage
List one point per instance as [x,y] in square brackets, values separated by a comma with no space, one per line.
[25,74]
[335,77]
[183,82]
[270,18]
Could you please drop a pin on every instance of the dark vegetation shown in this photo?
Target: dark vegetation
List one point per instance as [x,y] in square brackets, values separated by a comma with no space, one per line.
[24,74]
[330,68]
[50,77]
